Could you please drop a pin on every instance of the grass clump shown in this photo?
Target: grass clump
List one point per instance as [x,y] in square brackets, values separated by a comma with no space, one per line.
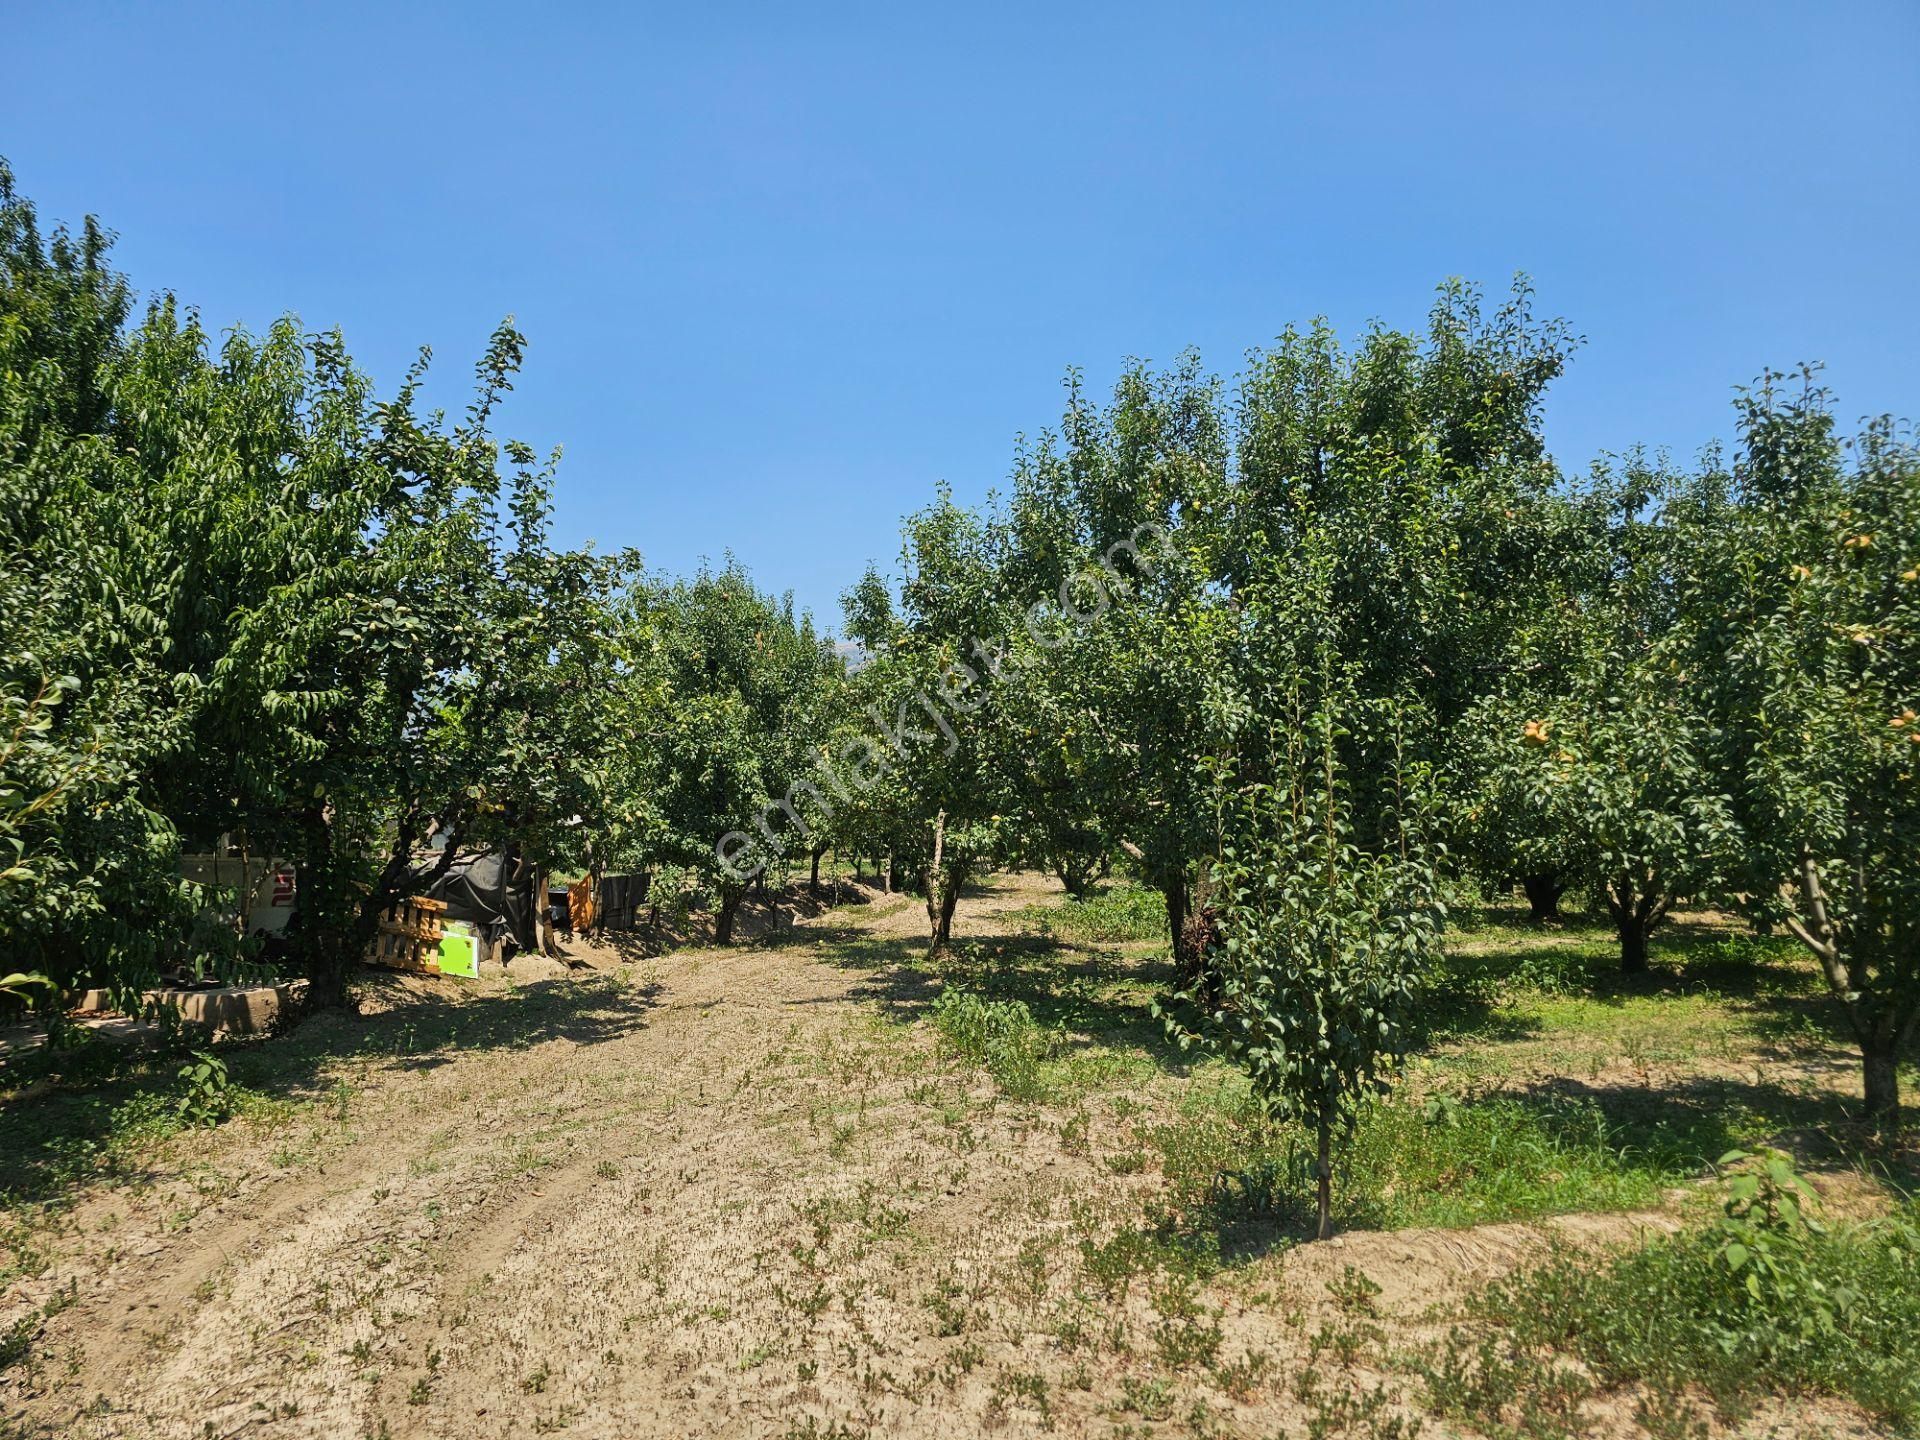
[1118,913]
[1763,1299]
[1437,1161]
[1447,1162]
[1000,1035]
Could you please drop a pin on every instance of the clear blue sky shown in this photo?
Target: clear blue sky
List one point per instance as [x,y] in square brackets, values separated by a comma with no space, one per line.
[785,267]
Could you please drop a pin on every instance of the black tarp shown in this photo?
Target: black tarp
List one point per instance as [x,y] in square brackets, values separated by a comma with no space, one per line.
[493,892]
[621,897]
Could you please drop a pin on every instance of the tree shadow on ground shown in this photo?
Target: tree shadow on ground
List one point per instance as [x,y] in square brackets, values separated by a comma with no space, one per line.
[763,919]
[75,1118]
[1095,998]
[1689,1123]
[412,1026]
[1459,1008]
[1236,1187]
[1776,989]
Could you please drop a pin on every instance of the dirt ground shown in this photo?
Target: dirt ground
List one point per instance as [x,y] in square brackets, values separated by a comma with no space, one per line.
[715,1192]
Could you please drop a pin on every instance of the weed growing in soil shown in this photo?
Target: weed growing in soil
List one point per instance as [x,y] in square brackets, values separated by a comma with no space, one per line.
[1762,1299]
[1001,1035]
[1188,1332]
[1502,1387]
[1027,1391]
[206,1094]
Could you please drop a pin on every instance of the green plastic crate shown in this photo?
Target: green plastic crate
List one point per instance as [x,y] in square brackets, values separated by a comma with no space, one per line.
[460,955]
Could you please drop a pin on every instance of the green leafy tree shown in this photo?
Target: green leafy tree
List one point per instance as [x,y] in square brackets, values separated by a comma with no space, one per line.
[354,694]
[1416,465]
[1594,759]
[529,724]
[1122,701]
[1326,895]
[1617,787]
[733,745]
[90,892]
[1500,827]
[935,702]
[1421,464]
[1804,614]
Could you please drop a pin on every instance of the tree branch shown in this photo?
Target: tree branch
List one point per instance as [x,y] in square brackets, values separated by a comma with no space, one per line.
[1816,896]
[1820,936]
[1821,949]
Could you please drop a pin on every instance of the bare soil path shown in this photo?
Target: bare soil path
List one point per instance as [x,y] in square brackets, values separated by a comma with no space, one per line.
[719,1192]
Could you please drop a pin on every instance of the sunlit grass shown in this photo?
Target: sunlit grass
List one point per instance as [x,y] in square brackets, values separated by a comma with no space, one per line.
[1412,1162]
[1540,1080]
[1119,912]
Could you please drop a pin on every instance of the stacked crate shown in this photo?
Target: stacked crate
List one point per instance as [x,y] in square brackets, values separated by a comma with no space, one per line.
[410,935]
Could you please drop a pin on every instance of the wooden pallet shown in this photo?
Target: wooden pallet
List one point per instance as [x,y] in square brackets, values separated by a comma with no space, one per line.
[409,936]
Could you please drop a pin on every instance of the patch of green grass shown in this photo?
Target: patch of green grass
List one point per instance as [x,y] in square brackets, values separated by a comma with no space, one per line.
[1119,913]
[1248,1181]
[1730,1040]
[100,1131]
[1163,1246]
[1545,1084]
[1097,1008]
[1451,1164]
[1707,963]
[1759,1301]
[1000,1035]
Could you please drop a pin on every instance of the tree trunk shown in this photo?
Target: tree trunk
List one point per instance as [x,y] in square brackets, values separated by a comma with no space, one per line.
[730,897]
[1883,1085]
[888,882]
[935,874]
[952,883]
[1635,912]
[1175,891]
[1323,1178]
[1881,1027]
[325,951]
[548,945]
[327,977]
[1543,896]
[813,880]
[1075,874]
[323,958]
[1633,948]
